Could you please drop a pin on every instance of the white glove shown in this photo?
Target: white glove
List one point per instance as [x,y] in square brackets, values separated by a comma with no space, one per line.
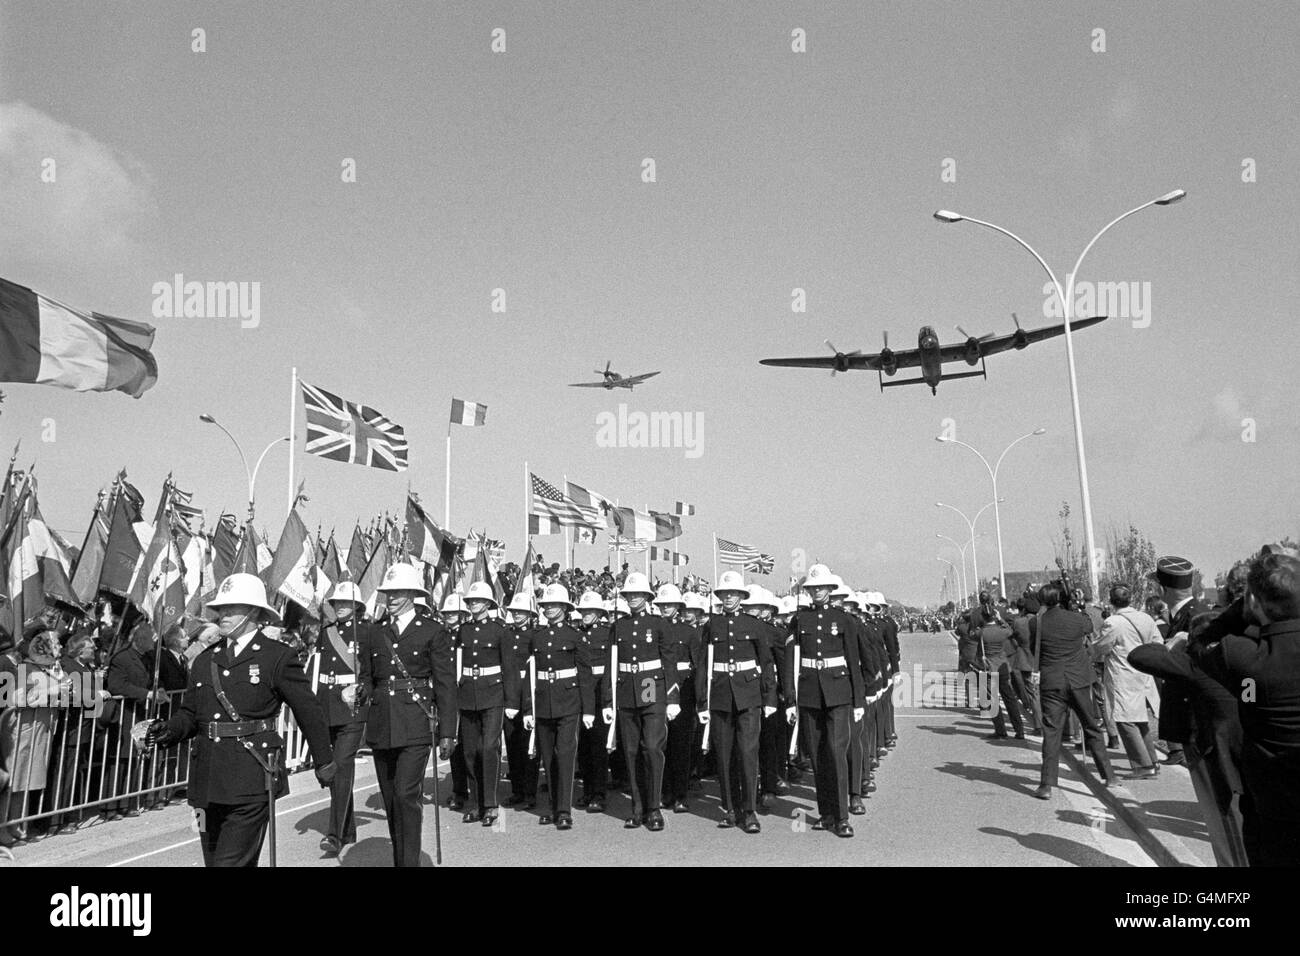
[858,713]
[512,713]
[607,715]
[769,711]
[898,679]
[588,720]
[704,717]
[674,710]
[790,714]
[529,722]
[350,694]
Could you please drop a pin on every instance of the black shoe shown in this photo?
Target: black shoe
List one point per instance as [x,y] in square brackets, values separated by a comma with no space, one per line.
[1020,736]
[531,803]
[869,786]
[882,752]
[1145,773]
[632,823]
[545,820]
[855,806]
[331,846]
[781,788]
[995,736]
[842,829]
[490,817]
[751,824]
[680,806]
[516,798]
[655,821]
[1176,759]
[728,820]
[597,805]
[1112,743]
[583,800]
[471,816]
[563,821]
[1044,792]
[823,823]
[456,803]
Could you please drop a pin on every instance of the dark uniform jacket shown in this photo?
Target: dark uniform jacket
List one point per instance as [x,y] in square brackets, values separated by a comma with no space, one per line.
[1063,661]
[688,650]
[592,666]
[873,656]
[520,640]
[891,642]
[489,644]
[823,633]
[776,643]
[172,675]
[1022,645]
[739,639]
[642,639]
[397,718]
[554,650]
[335,668]
[264,676]
[127,675]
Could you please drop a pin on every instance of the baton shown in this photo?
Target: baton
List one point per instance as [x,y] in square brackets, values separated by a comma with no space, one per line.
[613,690]
[437,794]
[794,731]
[270,794]
[532,690]
[708,699]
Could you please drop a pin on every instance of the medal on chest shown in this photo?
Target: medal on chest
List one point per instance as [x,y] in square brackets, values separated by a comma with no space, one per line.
[254,674]
[835,629]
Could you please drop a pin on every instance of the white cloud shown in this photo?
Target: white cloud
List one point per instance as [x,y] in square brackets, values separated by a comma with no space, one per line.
[93,211]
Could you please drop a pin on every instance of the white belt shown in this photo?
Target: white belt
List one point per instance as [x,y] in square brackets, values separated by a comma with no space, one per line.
[598,670]
[338,680]
[683,665]
[637,666]
[734,666]
[472,672]
[817,664]
[558,675]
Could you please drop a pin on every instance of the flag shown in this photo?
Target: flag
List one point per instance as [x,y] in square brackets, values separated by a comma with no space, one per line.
[675,558]
[46,343]
[164,601]
[619,543]
[123,550]
[761,564]
[547,500]
[482,570]
[592,505]
[545,524]
[358,555]
[247,560]
[652,526]
[526,583]
[682,508]
[196,559]
[731,553]
[585,534]
[225,547]
[331,564]
[292,570]
[467,413]
[425,539]
[372,573]
[90,562]
[345,431]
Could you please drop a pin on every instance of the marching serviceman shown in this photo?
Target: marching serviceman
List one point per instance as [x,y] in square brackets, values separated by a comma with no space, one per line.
[645,698]
[890,628]
[521,769]
[862,739]
[593,758]
[489,690]
[741,691]
[773,743]
[681,733]
[230,707]
[334,679]
[551,709]
[828,687]
[453,616]
[408,677]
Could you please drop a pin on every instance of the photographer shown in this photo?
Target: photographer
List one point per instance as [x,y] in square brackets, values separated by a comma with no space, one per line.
[994,642]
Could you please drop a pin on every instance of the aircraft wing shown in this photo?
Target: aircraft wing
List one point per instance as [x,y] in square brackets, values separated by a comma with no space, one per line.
[636,379]
[1002,343]
[586,385]
[906,358]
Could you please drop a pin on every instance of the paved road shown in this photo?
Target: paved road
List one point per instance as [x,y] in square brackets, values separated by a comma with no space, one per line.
[946,798]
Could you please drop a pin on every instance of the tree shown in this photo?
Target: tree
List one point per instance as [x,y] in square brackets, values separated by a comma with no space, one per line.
[1129,557]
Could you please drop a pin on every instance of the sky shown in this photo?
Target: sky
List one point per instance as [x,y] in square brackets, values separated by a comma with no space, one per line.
[774,170]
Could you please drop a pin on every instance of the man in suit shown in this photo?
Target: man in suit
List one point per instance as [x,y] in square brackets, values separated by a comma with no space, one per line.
[406,674]
[334,680]
[1065,685]
[1175,576]
[1024,630]
[236,689]
[994,638]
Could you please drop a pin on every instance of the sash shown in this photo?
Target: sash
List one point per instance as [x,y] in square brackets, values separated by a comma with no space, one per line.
[234,715]
[341,647]
[416,699]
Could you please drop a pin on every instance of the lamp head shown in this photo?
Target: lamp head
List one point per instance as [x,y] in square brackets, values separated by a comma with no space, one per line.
[1168,199]
[947,215]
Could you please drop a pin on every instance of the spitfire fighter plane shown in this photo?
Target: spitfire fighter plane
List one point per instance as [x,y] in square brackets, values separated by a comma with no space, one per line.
[614,380]
[929,356]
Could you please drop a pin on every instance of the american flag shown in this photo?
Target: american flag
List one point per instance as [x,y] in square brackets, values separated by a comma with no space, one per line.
[547,500]
[762,564]
[731,553]
[345,431]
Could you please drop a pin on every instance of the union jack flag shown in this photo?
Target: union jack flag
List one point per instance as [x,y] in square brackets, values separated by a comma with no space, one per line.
[346,431]
[761,564]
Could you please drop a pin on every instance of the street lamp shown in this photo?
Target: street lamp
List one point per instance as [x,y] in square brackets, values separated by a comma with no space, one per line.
[251,476]
[961,549]
[974,564]
[993,474]
[1066,298]
[952,568]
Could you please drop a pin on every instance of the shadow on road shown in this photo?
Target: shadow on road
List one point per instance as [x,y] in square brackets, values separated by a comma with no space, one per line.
[966,771]
[1059,847]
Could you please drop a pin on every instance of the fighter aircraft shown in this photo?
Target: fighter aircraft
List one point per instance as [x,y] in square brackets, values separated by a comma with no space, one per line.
[614,380]
[929,356]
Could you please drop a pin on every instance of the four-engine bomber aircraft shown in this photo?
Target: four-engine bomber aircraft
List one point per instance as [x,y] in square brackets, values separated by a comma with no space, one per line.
[930,356]
[614,380]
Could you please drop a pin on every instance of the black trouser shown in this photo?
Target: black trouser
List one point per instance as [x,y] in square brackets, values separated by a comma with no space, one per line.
[740,729]
[345,739]
[1009,703]
[594,760]
[557,745]
[459,772]
[682,735]
[772,747]
[862,751]
[232,833]
[401,785]
[887,703]
[480,730]
[1056,703]
[1027,693]
[521,769]
[826,741]
[1139,742]
[644,731]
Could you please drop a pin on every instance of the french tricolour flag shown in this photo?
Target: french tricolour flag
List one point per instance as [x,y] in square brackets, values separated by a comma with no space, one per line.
[45,343]
[467,413]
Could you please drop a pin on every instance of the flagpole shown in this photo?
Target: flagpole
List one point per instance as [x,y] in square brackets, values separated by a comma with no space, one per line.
[647,550]
[568,552]
[715,558]
[293,421]
[446,490]
[528,498]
